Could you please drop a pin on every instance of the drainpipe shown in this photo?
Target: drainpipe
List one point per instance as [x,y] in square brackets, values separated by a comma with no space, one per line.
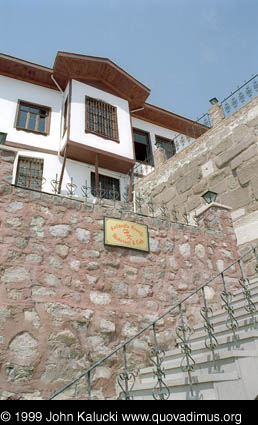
[62,110]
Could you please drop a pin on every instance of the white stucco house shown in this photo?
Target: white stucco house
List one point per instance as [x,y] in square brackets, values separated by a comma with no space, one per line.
[85,119]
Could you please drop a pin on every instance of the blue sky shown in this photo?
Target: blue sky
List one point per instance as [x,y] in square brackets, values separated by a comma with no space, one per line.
[185,51]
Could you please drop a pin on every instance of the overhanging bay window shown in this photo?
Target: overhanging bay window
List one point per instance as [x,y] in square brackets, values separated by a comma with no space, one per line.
[101,119]
[142,145]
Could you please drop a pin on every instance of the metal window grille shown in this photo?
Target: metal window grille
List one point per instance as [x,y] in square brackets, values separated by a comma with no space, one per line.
[109,187]
[29,173]
[101,118]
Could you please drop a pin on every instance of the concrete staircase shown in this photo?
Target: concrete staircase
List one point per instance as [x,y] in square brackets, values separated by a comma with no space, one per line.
[233,376]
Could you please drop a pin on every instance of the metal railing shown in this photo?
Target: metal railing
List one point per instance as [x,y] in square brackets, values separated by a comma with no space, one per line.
[87,193]
[241,96]
[143,204]
[127,377]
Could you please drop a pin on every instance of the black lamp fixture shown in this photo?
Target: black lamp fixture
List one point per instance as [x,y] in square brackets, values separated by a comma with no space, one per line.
[213,101]
[2,138]
[209,196]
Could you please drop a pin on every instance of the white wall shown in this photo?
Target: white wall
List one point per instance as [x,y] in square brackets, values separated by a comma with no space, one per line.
[11,90]
[77,129]
[80,173]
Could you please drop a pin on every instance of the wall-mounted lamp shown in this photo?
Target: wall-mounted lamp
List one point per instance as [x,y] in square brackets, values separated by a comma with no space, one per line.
[2,138]
[213,101]
[209,196]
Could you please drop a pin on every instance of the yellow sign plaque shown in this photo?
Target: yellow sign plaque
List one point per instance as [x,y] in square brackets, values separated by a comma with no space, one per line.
[126,234]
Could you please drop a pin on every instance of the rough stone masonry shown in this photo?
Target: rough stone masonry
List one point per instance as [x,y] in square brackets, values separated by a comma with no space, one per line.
[224,160]
[67,300]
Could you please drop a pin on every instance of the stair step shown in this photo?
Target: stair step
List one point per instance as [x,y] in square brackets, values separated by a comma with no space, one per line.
[202,362]
[230,376]
[243,337]
[239,311]
[238,294]
[222,329]
[145,390]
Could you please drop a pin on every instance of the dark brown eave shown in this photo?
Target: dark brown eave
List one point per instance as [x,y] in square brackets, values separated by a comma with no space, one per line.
[171,121]
[106,160]
[105,75]
[100,71]
[26,71]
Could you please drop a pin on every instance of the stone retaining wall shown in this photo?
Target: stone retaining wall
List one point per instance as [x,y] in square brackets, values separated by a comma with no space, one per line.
[224,160]
[67,300]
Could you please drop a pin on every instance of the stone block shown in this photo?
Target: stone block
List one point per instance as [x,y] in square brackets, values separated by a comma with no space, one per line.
[33,259]
[102,372]
[14,222]
[222,146]
[23,348]
[15,275]
[188,181]
[175,176]
[247,172]
[60,230]
[225,157]
[75,265]
[167,195]
[130,272]
[154,246]
[158,189]
[62,250]
[120,289]
[41,291]
[243,134]
[19,374]
[51,279]
[254,184]
[220,187]
[15,206]
[207,168]
[193,203]
[235,198]
[92,265]
[82,235]
[219,176]
[184,249]
[244,156]
[232,182]
[100,298]
[199,251]
[200,187]
[144,291]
